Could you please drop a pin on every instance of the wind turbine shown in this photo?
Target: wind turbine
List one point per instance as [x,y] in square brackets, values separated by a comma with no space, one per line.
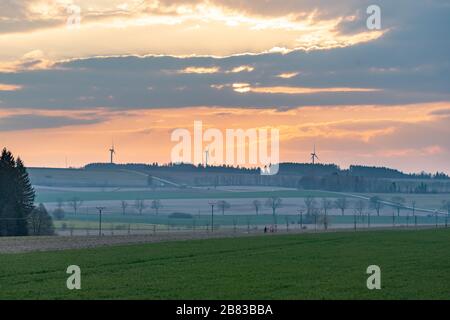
[314,156]
[112,152]
[206,157]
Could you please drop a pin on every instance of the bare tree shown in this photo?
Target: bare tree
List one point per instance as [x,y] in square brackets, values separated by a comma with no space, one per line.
[360,206]
[446,206]
[156,205]
[40,222]
[413,205]
[223,205]
[59,203]
[323,219]
[327,204]
[274,203]
[140,205]
[341,204]
[310,203]
[75,204]
[257,205]
[376,204]
[58,213]
[398,203]
[124,206]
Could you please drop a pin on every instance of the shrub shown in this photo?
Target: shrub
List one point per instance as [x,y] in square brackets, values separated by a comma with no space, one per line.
[180,215]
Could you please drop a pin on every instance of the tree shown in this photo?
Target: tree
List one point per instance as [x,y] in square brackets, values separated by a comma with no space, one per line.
[341,204]
[360,206]
[16,196]
[446,206]
[323,219]
[59,203]
[327,204]
[40,222]
[376,204]
[398,203]
[223,205]
[140,205]
[257,205]
[274,203]
[413,205]
[310,203]
[156,205]
[58,214]
[75,204]
[124,206]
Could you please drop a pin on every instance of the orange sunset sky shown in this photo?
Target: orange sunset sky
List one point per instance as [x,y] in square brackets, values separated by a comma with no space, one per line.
[133,71]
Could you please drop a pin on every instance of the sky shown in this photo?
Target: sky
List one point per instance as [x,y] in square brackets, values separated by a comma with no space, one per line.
[77,76]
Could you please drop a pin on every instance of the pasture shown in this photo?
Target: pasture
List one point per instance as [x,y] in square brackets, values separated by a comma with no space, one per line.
[414,265]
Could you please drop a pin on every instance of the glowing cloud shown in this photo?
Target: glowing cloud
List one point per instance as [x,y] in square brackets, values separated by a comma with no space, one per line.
[242,69]
[177,28]
[200,70]
[288,75]
[9,87]
[245,88]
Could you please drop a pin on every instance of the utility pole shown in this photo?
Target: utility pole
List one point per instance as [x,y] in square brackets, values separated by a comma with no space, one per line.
[100,209]
[212,204]
[300,215]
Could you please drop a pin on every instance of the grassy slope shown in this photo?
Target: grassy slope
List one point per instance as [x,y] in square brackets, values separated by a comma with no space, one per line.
[178,194]
[415,265]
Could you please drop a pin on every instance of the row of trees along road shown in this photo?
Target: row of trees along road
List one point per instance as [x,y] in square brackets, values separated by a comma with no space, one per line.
[18,215]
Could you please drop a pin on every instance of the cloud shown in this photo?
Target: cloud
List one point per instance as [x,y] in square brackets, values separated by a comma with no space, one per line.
[200,70]
[33,60]
[409,64]
[241,69]
[9,87]
[34,121]
[288,75]
[245,87]
[181,28]
[440,112]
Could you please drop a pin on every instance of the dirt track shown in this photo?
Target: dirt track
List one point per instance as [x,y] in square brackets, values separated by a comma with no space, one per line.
[30,244]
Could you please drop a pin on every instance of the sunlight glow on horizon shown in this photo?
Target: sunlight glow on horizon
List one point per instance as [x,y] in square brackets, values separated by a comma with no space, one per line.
[144,135]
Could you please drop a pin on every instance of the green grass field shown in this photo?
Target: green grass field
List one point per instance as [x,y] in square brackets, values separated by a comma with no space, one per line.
[111,220]
[414,265]
[53,196]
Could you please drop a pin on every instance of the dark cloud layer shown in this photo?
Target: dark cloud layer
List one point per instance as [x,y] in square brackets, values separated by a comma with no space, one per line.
[32,121]
[409,64]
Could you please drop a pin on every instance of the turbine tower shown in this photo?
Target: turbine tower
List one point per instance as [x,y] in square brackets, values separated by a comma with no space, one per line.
[314,156]
[112,152]
[206,157]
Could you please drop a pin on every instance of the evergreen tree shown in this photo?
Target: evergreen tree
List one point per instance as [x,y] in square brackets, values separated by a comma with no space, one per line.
[16,196]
